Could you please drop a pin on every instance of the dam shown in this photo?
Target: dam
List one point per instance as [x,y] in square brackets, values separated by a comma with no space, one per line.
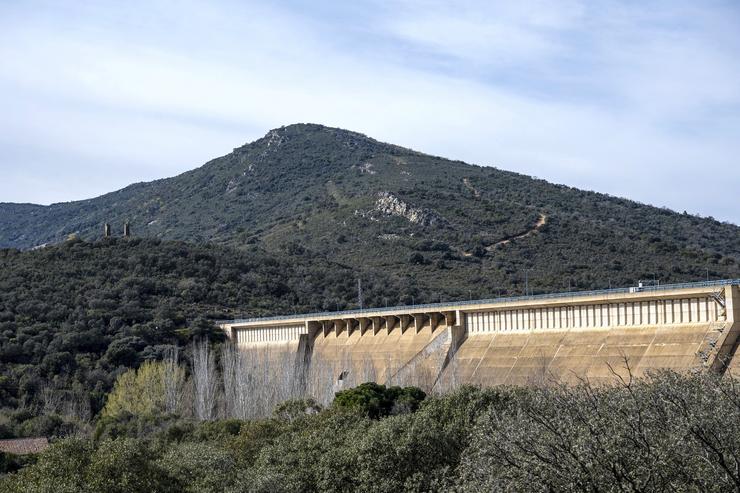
[569,337]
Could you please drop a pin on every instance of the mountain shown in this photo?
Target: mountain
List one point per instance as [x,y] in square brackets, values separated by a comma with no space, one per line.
[312,190]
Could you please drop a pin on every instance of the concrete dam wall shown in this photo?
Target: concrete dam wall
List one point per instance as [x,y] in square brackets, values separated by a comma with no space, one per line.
[564,337]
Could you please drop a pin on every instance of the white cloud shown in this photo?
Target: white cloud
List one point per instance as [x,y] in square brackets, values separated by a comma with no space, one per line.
[617,100]
[488,33]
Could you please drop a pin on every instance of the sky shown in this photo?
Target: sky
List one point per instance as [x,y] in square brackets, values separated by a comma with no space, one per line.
[639,99]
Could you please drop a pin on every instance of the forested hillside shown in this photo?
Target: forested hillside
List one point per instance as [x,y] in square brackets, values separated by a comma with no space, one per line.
[331,193]
[73,316]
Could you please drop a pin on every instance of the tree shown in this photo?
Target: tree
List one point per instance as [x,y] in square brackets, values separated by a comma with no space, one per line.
[174,381]
[205,381]
[375,400]
[125,351]
[156,387]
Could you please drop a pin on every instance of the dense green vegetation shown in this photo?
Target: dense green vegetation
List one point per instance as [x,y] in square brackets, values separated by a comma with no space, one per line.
[666,433]
[75,316]
[314,191]
[375,400]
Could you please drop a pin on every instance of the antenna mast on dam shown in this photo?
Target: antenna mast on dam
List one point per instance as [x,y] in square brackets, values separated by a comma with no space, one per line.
[360,301]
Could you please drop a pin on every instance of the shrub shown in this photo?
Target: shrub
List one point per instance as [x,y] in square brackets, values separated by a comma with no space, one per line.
[127,465]
[60,469]
[199,466]
[375,400]
[664,433]
[252,438]
[294,409]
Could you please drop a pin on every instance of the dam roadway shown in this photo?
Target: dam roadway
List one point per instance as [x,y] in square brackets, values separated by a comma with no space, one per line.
[566,337]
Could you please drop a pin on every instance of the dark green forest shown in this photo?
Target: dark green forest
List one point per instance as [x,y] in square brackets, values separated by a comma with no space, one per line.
[74,316]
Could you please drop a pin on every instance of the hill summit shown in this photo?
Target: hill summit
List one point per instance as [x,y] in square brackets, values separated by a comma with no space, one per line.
[367,204]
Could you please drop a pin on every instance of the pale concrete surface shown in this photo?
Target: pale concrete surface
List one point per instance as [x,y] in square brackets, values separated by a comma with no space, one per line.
[593,336]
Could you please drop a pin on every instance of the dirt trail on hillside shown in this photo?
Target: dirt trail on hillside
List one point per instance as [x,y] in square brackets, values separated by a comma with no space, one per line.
[540,222]
[470,187]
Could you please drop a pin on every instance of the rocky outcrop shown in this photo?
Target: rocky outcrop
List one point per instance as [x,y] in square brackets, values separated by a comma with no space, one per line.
[390,205]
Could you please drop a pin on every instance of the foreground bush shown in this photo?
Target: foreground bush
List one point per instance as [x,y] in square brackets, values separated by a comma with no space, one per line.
[374,400]
[664,433]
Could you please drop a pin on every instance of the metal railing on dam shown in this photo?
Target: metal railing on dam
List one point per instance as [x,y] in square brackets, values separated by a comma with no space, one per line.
[442,306]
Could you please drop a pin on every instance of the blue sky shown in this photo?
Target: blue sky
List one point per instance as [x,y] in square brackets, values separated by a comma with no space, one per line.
[638,98]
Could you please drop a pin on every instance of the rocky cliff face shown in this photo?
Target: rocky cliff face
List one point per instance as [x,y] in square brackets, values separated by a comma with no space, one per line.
[388,204]
[391,205]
